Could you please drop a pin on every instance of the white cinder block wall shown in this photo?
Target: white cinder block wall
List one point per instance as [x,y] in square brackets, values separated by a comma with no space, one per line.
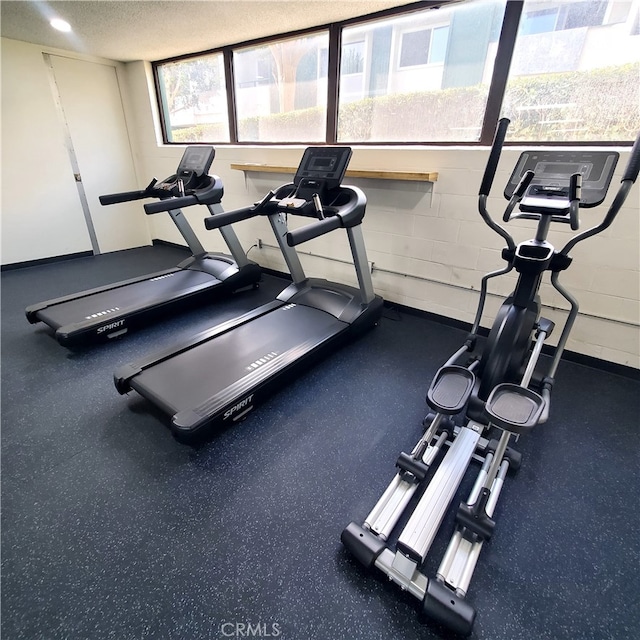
[428,245]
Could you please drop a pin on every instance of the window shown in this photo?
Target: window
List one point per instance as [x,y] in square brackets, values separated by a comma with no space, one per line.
[539,21]
[281,90]
[427,46]
[352,58]
[194,99]
[415,48]
[439,39]
[563,71]
[573,84]
[428,77]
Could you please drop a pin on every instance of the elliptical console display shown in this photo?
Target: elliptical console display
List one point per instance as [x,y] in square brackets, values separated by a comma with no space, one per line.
[549,189]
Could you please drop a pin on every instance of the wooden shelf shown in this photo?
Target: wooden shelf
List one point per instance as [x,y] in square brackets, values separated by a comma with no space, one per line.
[419,176]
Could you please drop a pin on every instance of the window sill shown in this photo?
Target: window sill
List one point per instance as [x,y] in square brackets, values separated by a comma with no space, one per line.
[417,176]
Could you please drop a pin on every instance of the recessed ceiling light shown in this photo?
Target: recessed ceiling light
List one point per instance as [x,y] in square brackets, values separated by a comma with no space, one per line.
[60,25]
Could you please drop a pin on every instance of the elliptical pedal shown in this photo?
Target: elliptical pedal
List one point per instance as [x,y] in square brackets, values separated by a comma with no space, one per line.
[450,389]
[514,408]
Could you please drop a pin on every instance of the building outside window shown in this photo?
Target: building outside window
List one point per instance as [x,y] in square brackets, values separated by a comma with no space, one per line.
[194,99]
[575,73]
[427,76]
[281,90]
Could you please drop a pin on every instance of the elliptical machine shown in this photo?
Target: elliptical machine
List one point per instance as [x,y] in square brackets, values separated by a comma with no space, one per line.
[498,389]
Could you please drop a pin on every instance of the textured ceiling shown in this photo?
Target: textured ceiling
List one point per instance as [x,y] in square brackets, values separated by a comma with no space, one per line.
[152,30]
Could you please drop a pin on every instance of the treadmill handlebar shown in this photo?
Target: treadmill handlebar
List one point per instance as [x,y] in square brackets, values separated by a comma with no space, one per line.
[126,196]
[170,203]
[313,230]
[228,217]
[211,193]
[349,214]
[342,213]
[265,206]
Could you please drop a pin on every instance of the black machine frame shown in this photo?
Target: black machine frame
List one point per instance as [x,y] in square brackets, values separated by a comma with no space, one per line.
[495,386]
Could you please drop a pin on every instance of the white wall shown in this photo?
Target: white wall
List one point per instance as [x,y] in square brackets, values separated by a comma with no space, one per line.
[42,215]
[39,196]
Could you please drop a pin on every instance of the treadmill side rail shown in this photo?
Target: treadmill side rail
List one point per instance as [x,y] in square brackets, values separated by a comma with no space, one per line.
[32,310]
[125,373]
[235,401]
[116,315]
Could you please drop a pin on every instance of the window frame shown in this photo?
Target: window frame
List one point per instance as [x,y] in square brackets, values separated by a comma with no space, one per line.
[496,92]
[164,119]
[253,44]
[411,30]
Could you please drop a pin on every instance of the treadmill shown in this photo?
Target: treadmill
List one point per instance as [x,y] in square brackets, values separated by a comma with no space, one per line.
[220,375]
[100,314]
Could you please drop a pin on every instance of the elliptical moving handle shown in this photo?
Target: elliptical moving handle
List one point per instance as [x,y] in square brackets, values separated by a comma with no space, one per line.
[629,176]
[494,157]
[633,166]
[487,181]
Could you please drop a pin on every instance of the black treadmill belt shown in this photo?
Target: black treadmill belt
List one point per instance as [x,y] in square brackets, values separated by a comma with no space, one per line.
[237,358]
[137,295]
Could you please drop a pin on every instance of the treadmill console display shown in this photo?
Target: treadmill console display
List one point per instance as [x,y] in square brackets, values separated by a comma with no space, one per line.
[324,166]
[549,188]
[196,160]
